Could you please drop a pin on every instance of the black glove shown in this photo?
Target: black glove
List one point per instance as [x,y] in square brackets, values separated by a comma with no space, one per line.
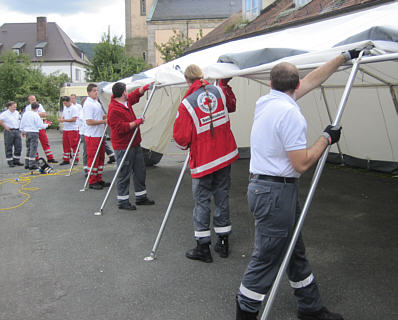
[351,54]
[332,133]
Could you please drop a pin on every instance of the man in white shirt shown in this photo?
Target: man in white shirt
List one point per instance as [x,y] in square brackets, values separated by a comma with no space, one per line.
[279,154]
[70,133]
[42,133]
[95,126]
[10,120]
[81,123]
[31,123]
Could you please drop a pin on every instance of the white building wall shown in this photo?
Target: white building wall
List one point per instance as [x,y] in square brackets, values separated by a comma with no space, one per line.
[71,69]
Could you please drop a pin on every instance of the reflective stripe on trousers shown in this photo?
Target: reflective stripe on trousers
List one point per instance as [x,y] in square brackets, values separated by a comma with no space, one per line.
[133,165]
[215,184]
[12,140]
[32,140]
[275,209]
[45,144]
[92,146]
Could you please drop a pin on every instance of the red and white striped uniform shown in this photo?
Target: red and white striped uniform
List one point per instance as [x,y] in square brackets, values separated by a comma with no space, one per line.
[209,152]
[93,134]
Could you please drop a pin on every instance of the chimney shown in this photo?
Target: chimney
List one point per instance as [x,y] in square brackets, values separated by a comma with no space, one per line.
[41,29]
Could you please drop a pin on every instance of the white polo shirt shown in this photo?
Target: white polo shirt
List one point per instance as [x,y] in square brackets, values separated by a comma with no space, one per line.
[40,109]
[93,110]
[278,127]
[31,122]
[11,119]
[81,123]
[69,113]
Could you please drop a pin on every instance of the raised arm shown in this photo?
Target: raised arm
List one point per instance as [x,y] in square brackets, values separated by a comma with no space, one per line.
[229,95]
[316,77]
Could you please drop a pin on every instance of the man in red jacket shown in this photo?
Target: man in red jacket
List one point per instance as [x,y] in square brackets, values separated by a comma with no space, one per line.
[123,123]
[203,125]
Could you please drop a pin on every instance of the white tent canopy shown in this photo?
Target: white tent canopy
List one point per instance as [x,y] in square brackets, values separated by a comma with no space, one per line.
[370,126]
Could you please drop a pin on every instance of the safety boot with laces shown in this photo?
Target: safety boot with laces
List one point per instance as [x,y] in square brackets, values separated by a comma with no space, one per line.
[222,246]
[201,252]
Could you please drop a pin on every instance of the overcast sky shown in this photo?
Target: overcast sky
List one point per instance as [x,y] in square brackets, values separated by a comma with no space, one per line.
[82,20]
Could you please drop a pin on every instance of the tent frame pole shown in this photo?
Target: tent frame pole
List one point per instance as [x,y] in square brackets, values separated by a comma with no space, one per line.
[119,167]
[74,158]
[95,159]
[389,84]
[331,119]
[317,175]
[152,255]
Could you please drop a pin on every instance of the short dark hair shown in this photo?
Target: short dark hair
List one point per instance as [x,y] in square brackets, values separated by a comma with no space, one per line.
[34,106]
[91,86]
[10,103]
[118,89]
[65,99]
[284,77]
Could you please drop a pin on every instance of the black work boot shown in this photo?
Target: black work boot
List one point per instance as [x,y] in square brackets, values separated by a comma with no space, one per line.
[244,315]
[201,252]
[323,314]
[11,164]
[222,246]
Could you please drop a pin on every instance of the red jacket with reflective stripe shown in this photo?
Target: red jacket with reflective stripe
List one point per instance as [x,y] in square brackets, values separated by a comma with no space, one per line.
[192,128]
[119,118]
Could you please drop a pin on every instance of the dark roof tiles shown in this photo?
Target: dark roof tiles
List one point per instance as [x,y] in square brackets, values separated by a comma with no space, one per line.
[193,9]
[59,46]
[279,15]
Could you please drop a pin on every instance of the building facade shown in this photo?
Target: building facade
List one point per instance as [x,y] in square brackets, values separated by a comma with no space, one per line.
[47,46]
[150,21]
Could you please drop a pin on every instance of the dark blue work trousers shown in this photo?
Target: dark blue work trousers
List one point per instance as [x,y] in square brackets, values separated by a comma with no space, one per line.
[276,210]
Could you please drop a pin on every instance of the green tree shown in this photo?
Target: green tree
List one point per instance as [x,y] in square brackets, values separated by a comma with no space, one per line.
[19,78]
[111,62]
[176,45]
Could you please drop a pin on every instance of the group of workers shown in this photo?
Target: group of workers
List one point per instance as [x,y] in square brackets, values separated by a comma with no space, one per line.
[30,125]
[279,154]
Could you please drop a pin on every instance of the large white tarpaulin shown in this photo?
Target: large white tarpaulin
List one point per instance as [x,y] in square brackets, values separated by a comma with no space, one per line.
[370,122]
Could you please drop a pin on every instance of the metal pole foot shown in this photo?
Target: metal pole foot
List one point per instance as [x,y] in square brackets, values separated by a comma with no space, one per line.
[151,257]
[98,213]
[82,190]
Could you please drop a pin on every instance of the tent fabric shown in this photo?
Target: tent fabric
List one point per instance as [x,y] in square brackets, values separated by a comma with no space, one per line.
[372,102]
[380,33]
[374,165]
[257,57]
[314,37]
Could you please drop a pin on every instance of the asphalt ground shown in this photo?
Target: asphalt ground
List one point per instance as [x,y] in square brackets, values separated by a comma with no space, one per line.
[60,261]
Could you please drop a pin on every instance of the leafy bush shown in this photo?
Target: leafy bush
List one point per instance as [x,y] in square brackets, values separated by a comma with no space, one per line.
[19,78]
[176,45]
[111,62]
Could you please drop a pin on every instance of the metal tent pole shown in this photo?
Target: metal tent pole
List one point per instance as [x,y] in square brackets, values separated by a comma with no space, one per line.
[315,179]
[98,213]
[95,158]
[152,255]
[74,157]
[331,119]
